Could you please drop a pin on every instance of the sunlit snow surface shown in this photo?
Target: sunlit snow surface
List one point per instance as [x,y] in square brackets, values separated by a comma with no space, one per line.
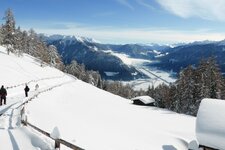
[210,123]
[84,115]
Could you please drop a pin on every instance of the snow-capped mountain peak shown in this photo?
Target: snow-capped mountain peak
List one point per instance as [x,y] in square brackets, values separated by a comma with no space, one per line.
[56,37]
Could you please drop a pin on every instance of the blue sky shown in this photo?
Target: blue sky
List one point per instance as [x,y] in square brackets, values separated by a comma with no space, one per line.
[123,21]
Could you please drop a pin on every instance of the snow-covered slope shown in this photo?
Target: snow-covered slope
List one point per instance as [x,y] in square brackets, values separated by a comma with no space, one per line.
[85,115]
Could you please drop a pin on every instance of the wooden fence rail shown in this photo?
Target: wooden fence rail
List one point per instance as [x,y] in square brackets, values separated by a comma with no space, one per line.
[206,148]
[57,141]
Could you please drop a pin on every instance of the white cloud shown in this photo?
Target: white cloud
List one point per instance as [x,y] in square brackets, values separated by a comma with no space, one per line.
[107,34]
[104,14]
[205,9]
[145,4]
[126,3]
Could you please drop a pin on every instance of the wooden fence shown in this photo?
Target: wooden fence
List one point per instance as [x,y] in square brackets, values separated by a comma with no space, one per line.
[26,123]
[57,141]
[206,148]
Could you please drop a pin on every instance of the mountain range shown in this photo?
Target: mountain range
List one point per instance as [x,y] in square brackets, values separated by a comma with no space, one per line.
[96,56]
[180,57]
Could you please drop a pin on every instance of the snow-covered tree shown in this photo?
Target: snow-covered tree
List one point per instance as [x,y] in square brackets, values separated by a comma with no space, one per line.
[25,44]
[9,30]
[73,69]
[1,34]
[211,79]
[95,78]
[162,96]
[185,87]
[18,42]
[32,42]
[55,59]
[194,84]
[150,91]
[53,54]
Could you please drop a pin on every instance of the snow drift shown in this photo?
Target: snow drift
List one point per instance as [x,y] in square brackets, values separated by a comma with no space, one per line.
[210,123]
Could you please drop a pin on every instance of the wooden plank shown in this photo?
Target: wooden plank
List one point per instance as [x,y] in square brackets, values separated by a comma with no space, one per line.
[38,129]
[74,147]
[206,148]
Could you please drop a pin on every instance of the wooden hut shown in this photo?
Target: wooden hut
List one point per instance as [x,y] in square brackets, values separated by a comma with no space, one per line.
[143,100]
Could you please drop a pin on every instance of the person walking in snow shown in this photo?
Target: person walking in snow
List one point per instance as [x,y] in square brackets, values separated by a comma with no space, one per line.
[36,87]
[26,89]
[3,94]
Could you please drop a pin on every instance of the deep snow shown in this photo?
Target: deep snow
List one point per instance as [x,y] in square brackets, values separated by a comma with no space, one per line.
[84,115]
[210,129]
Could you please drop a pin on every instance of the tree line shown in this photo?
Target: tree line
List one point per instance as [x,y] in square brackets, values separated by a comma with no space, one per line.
[19,42]
[193,84]
[184,96]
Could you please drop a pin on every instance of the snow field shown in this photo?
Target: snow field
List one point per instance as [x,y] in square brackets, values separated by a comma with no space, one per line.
[15,73]
[94,119]
[85,115]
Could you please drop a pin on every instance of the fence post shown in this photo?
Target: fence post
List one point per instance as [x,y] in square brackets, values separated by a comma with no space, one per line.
[25,120]
[56,136]
[22,112]
[57,144]
[23,116]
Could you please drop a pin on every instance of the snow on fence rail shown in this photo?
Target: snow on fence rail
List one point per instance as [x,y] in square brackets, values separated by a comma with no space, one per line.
[57,141]
[206,148]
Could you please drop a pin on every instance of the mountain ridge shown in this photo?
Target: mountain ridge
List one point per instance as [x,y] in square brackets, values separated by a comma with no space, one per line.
[174,57]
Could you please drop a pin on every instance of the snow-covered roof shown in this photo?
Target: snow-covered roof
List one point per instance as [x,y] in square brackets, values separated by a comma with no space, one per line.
[144,99]
[210,123]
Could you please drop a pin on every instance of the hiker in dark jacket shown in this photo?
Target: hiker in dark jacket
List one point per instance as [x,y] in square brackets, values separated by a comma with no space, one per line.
[26,89]
[3,94]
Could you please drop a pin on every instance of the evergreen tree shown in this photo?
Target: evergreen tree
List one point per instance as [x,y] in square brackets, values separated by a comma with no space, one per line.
[211,79]
[185,87]
[24,41]
[18,42]
[1,34]
[54,55]
[161,96]
[32,42]
[9,30]
[151,91]
[194,84]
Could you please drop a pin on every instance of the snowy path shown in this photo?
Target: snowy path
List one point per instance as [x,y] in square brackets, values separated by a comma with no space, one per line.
[11,128]
[16,92]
